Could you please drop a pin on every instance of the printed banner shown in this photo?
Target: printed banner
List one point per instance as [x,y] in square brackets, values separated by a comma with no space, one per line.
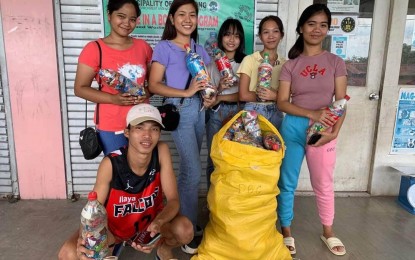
[403,141]
[150,24]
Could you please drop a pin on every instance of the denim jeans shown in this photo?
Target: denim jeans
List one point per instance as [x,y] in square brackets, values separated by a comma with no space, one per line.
[214,124]
[188,138]
[268,110]
[111,141]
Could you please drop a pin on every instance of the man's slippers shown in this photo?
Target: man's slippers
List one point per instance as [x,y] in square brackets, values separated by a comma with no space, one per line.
[333,242]
[290,244]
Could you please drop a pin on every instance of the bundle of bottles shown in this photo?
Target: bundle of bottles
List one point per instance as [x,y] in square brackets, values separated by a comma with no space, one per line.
[121,83]
[246,130]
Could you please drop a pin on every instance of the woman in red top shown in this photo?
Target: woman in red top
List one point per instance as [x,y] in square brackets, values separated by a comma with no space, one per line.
[121,53]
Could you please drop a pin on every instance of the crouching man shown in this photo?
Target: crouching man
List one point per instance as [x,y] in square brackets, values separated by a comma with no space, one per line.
[130,184]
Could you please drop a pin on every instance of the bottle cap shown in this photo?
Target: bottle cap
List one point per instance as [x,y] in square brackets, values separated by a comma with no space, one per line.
[92,195]
[346,97]
[275,147]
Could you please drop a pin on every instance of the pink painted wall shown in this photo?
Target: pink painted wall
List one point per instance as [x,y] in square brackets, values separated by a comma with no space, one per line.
[29,38]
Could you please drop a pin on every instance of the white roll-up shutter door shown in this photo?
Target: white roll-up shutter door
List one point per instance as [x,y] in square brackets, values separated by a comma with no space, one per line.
[81,22]
[263,8]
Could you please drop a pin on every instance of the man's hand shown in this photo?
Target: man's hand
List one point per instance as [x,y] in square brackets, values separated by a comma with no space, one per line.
[144,249]
[82,251]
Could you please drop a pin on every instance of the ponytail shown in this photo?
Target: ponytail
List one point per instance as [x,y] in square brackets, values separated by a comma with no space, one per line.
[297,48]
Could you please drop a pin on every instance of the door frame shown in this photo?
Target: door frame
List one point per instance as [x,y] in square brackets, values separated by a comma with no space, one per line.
[385,180]
[290,12]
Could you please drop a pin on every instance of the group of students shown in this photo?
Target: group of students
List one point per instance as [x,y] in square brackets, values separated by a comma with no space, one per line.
[301,87]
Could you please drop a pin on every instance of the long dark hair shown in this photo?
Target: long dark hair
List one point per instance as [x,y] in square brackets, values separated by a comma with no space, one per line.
[234,26]
[170,32]
[114,5]
[310,11]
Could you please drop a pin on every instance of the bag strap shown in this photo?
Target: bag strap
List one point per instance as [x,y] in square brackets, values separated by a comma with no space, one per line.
[187,86]
[187,83]
[99,88]
[99,80]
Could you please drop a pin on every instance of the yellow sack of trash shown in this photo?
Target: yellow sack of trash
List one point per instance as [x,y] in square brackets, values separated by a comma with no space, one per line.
[242,201]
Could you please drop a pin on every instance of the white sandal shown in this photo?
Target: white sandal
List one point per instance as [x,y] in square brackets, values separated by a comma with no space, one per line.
[289,242]
[333,242]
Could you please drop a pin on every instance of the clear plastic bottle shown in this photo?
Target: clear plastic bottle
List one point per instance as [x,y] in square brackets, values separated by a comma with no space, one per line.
[264,74]
[223,64]
[337,109]
[197,69]
[251,124]
[94,227]
[210,42]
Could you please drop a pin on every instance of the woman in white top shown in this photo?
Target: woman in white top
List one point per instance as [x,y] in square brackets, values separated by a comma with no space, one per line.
[231,40]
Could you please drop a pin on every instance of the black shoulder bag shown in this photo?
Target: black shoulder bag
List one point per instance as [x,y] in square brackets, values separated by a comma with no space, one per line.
[170,115]
[88,138]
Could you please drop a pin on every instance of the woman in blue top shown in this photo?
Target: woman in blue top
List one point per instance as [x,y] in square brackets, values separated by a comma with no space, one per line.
[168,78]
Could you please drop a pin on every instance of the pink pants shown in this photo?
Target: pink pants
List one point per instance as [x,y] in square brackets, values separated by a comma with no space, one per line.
[321,161]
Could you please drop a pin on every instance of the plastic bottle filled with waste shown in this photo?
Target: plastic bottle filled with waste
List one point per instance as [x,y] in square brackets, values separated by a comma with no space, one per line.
[94,227]
[120,82]
[337,109]
[264,74]
[210,42]
[271,141]
[251,124]
[223,64]
[197,69]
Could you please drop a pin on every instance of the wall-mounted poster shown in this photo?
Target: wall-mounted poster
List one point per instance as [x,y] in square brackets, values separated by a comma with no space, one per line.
[343,25]
[212,13]
[339,46]
[343,6]
[403,141]
[413,39]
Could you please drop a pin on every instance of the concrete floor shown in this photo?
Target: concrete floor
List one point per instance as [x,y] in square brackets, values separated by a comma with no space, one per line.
[372,228]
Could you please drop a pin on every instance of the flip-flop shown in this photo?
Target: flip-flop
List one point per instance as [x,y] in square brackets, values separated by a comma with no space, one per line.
[331,243]
[289,242]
